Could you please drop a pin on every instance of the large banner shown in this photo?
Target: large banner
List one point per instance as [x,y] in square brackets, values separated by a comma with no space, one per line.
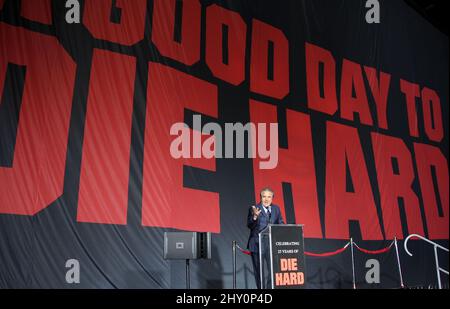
[121,120]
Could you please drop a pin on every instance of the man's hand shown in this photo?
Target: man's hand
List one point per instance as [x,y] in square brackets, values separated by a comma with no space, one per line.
[256,212]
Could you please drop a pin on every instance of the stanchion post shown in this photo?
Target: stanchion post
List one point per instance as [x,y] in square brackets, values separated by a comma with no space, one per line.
[398,262]
[353,264]
[234,263]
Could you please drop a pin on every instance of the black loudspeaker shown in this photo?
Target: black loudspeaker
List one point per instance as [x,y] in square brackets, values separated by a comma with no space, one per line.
[204,245]
[187,245]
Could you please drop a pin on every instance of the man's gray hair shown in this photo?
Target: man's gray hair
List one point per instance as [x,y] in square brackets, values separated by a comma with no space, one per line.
[267,189]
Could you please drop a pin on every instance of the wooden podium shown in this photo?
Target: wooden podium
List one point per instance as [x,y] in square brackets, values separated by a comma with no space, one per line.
[281,257]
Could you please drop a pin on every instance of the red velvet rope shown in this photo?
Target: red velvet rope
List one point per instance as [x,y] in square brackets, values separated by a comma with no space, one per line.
[333,252]
[326,253]
[243,251]
[374,251]
[306,252]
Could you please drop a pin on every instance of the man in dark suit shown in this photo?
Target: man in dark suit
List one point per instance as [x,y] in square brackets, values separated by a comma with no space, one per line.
[258,218]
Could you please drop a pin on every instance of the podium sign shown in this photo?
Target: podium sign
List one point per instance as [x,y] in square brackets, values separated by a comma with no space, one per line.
[282,261]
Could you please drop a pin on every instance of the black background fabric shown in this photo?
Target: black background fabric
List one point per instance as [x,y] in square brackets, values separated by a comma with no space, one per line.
[34,249]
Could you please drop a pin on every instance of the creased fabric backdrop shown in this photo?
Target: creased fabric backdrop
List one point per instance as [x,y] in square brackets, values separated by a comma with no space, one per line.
[86,171]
